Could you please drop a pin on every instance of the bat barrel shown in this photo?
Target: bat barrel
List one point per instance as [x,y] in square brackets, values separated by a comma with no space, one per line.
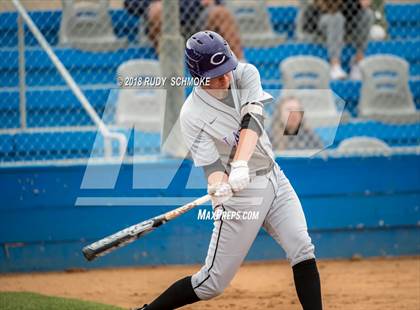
[106,245]
[125,236]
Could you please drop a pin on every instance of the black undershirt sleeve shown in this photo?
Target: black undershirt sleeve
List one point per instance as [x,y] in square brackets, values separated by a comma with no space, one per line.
[249,122]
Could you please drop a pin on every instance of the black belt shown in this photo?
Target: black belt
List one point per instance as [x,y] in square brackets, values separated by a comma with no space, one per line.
[264,171]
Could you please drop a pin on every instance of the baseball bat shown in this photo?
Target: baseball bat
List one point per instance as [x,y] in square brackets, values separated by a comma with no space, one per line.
[134,232]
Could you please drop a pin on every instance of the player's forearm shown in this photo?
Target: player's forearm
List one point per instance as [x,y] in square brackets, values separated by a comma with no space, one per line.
[248,139]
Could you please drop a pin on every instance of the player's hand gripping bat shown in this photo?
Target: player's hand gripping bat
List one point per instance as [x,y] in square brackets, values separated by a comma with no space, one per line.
[132,233]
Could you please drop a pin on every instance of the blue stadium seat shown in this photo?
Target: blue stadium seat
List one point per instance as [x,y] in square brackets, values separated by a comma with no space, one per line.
[393,135]
[9,109]
[85,67]
[409,50]
[403,23]
[402,13]
[48,23]
[403,20]
[6,145]
[46,107]
[53,145]
[55,106]
[89,68]
[349,91]
[71,144]
[9,119]
[283,19]
[83,144]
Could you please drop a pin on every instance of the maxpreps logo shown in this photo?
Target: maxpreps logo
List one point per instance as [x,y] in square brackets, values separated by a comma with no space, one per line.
[223,215]
[126,177]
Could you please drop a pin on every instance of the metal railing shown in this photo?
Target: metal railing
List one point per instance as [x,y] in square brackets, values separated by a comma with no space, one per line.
[103,129]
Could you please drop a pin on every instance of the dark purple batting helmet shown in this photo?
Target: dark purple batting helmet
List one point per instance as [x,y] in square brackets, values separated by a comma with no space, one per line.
[208,55]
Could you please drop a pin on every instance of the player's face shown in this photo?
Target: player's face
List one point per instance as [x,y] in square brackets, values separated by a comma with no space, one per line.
[218,87]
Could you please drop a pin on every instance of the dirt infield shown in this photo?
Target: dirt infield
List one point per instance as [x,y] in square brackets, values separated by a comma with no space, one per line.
[363,284]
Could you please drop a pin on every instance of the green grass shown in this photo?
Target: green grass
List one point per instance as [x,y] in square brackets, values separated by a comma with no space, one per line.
[32,301]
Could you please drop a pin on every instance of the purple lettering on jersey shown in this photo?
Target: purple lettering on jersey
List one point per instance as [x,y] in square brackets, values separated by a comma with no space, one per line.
[226,140]
[236,137]
[232,140]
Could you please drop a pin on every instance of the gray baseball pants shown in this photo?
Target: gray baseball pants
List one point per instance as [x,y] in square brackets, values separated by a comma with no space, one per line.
[280,213]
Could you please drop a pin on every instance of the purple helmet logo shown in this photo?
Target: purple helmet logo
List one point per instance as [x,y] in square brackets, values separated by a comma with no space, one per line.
[208,55]
[215,62]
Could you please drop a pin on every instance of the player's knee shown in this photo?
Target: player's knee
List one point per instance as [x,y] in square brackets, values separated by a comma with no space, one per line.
[303,250]
[211,288]
[216,291]
[212,293]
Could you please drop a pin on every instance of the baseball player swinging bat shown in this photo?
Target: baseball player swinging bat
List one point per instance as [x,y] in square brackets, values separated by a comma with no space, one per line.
[134,232]
[222,124]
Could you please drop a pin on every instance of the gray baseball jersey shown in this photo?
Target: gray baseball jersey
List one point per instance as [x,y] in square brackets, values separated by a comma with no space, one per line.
[211,127]
[211,130]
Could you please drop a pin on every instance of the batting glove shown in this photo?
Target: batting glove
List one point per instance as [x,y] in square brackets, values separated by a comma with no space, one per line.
[239,175]
[220,193]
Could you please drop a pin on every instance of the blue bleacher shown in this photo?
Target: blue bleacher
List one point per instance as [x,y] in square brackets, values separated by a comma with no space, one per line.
[49,24]
[48,100]
[393,135]
[283,19]
[6,144]
[82,144]
[403,22]
[86,67]
[348,90]
[71,144]
[100,68]
[269,59]
[56,103]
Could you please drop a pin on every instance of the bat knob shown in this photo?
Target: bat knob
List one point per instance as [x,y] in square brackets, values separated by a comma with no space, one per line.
[88,253]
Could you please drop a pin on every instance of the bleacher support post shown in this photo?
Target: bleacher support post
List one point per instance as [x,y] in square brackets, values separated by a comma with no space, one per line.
[171,54]
[22,73]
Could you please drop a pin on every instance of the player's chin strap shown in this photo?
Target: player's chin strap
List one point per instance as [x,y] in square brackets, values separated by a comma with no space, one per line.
[235,92]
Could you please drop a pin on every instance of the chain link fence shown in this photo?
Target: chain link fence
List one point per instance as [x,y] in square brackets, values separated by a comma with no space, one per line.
[344,74]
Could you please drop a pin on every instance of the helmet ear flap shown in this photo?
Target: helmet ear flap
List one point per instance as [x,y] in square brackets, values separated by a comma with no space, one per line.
[193,66]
